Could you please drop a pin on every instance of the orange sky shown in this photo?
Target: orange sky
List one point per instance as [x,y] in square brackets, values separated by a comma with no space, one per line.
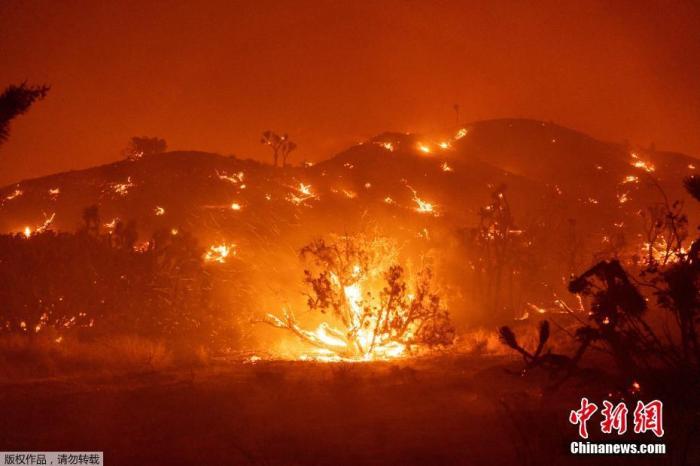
[213,76]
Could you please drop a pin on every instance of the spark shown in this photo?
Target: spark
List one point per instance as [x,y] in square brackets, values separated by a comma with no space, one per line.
[112,225]
[386,145]
[14,194]
[444,145]
[630,179]
[445,167]
[461,133]
[53,193]
[219,253]
[159,211]
[235,206]
[48,220]
[644,165]
[234,178]
[122,189]
[422,206]
[305,193]
[423,148]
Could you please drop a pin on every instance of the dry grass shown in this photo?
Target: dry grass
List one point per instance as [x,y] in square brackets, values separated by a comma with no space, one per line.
[47,355]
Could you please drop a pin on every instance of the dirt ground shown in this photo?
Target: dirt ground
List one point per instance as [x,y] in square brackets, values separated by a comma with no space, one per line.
[444,411]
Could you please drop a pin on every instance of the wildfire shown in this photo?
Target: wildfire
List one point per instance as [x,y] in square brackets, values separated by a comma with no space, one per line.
[424,148]
[644,165]
[422,206]
[303,194]
[235,178]
[219,253]
[112,225]
[48,220]
[122,189]
[14,194]
[386,145]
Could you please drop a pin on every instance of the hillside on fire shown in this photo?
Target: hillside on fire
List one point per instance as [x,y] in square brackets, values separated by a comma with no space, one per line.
[499,213]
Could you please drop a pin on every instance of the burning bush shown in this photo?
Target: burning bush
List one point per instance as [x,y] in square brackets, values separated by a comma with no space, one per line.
[378,313]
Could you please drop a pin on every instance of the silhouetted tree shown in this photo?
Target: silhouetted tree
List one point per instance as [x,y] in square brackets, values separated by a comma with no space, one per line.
[91,220]
[144,145]
[496,247]
[281,146]
[692,185]
[15,101]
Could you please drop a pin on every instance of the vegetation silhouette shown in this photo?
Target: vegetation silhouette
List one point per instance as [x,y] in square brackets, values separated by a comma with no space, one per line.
[281,146]
[15,101]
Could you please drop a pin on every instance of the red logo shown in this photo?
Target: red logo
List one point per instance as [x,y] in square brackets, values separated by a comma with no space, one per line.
[647,417]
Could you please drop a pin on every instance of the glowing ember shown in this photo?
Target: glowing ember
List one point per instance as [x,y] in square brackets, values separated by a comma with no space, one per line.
[303,194]
[48,220]
[234,178]
[630,179]
[53,193]
[388,200]
[386,145]
[159,211]
[112,225]
[219,253]
[235,206]
[422,206]
[424,148]
[461,133]
[14,194]
[122,189]
[644,165]
[445,167]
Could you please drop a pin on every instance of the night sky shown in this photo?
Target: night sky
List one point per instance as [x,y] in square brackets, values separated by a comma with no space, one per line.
[213,75]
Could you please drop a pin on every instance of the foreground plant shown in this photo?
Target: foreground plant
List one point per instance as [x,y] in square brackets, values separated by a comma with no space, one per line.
[377,313]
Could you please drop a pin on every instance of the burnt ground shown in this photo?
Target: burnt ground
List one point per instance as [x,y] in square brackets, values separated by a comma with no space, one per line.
[450,410]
